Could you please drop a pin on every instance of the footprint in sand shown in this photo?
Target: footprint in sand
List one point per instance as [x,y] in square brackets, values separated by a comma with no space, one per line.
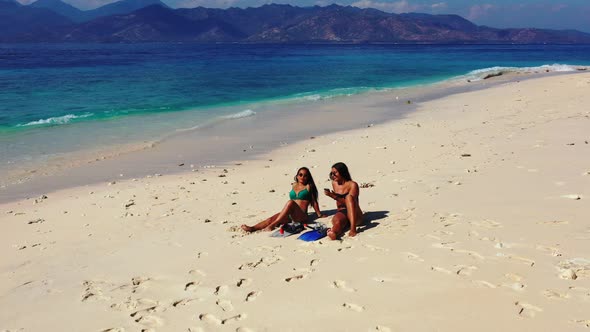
[575,268]
[244,329]
[197,273]
[413,257]
[347,247]
[191,286]
[487,224]
[583,322]
[182,303]
[252,296]
[555,295]
[553,222]
[225,305]
[440,269]
[483,283]
[243,282]
[515,286]
[297,277]
[210,319]
[149,321]
[353,307]
[264,261]
[341,284]
[523,260]
[465,270]
[314,262]
[581,292]
[132,304]
[549,250]
[514,282]
[470,253]
[444,245]
[233,319]
[195,329]
[527,310]
[150,310]
[575,197]
[221,290]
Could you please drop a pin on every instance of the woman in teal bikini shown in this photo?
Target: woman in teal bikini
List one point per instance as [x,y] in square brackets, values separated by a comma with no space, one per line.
[303,193]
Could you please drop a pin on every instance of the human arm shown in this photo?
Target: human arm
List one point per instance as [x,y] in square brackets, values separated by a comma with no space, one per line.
[318,212]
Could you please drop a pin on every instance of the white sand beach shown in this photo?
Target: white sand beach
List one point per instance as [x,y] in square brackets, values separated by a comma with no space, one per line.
[477,219]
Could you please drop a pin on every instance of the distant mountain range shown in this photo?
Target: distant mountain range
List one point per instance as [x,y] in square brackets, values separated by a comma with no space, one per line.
[152,21]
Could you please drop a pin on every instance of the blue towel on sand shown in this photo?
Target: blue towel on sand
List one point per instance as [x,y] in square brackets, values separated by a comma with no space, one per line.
[314,235]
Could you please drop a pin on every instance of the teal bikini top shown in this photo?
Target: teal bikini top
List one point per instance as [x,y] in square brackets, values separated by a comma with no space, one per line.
[304,195]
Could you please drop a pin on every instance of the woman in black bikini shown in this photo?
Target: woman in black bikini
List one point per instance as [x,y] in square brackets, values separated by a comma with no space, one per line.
[303,193]
[346,194]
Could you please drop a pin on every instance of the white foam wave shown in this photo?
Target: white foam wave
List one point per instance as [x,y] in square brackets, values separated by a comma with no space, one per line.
[188,129]
[59,120]
[239,115]
[313,97]
[484,73]
[331,94]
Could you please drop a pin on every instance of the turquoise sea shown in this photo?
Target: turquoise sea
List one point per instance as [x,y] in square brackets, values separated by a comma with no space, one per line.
[57,98]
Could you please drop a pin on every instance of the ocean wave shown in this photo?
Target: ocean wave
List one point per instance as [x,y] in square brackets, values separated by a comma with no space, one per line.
[206,123]
[58,120]
[239,115]
[481,74]
[330,94]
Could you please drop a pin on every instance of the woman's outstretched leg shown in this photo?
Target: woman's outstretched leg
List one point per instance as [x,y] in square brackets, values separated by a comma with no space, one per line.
[354,214]
[290,209]
[261,225]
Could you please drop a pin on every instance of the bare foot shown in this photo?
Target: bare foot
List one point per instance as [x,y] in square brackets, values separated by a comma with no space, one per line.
[332,235]
[247,228]
[352,233]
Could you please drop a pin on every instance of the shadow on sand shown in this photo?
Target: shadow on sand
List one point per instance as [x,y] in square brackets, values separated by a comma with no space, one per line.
[369,219]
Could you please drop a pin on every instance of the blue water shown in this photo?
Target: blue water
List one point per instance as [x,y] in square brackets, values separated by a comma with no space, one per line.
[49,85]
[58,101]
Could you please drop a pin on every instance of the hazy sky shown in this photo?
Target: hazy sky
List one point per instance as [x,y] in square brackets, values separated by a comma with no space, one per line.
[556,14]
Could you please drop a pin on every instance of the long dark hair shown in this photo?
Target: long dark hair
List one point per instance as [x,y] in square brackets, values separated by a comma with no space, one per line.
[343,170]
[312,187]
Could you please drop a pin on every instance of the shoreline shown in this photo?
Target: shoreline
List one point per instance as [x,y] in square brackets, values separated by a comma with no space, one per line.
[475,210]
[201,147]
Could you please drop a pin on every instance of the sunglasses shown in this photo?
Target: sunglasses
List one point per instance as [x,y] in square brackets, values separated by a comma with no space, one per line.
[303,174]
[333,173]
